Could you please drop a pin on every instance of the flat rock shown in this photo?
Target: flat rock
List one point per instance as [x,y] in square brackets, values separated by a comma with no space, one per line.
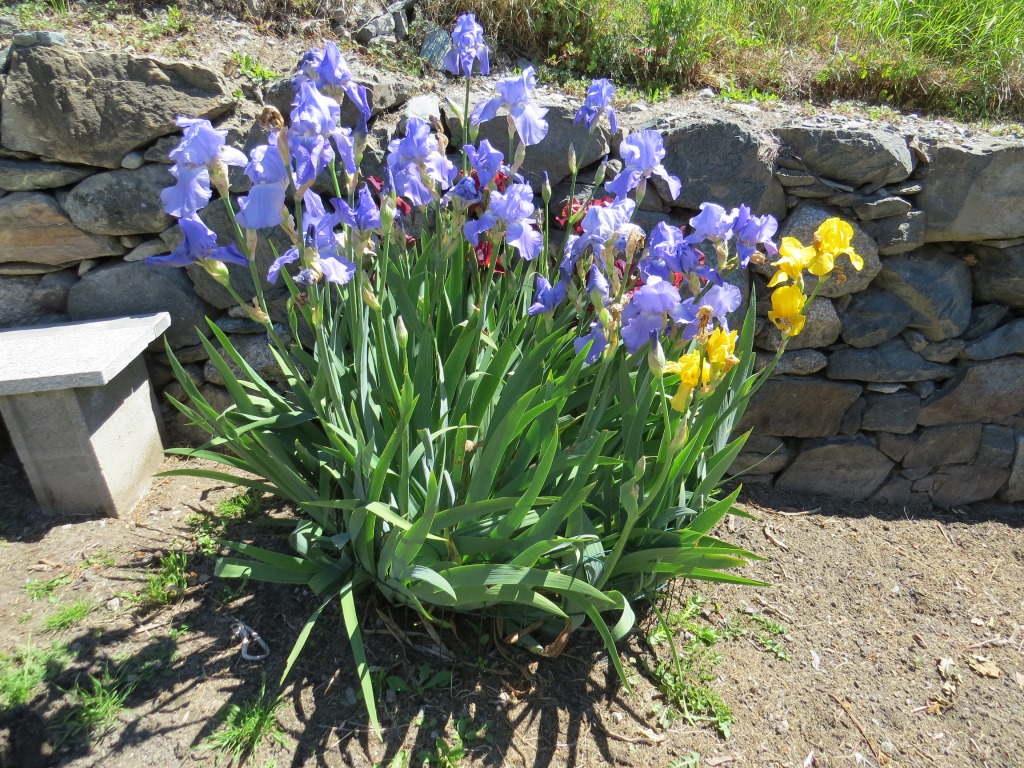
[802,223]
[796,406]
[28,175]
[946,444]
[719,159]
[891,361]
[897,490]
[135,289]
[762,455]
[897,234]
[801,362]
[936,285]
[965,484]
[882,207]
[35,230]
[821,329]
[873,316]
[17,306]
[999,276]
[142,251]
[974,192]
[845,467]
[985,392]
[984,319]
[895,413]
[996,447]
[854,154]
[1005,340]
[121,202]
[893,445]
[94,108]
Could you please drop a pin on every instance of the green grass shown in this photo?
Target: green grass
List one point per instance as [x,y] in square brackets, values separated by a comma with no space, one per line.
[68,616]
[245,727]
[22,671]
[169,583]
[96,705]
[964,59]
[37,589]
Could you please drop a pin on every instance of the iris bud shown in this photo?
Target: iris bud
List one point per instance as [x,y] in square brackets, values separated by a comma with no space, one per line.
[218,270]
[402,332]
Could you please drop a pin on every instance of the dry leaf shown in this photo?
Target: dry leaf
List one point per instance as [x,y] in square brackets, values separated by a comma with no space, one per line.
[815,659]
[978,622]
[809,761]
[945,667]
[1018,678]
[647,733]
[984,666]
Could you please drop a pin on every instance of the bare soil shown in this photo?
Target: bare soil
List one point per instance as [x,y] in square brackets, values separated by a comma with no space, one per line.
[903,629]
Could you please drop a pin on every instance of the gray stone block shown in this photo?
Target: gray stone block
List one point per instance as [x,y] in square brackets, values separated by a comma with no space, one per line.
[988,392]
[1015,484]
[896,413]
[796,406]
[841,467]
[964,484]
[948,444]
[893,361]
[996,447]
[81,412]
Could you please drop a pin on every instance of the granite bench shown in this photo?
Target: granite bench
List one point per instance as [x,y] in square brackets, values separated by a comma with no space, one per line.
[80,411]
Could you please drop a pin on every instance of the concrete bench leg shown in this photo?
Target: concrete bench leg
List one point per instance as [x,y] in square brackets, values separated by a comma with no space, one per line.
[88,450]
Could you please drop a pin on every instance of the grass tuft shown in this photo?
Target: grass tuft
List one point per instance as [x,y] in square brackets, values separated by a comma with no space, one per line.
[22,671]
[247,726]
[68,616]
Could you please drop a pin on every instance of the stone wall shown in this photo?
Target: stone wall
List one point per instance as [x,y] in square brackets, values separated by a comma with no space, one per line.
[907,384]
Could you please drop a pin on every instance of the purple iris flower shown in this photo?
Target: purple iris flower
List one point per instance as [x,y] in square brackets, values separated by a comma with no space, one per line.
[467,47]
[292,254]
[416,159]
[513,208]
[712,223]
[261,207]
[642,154]
[201,148]
[314,122]
[662,258]
[516,95]
[598,100]
[328,71]
[337,269]
[601,225]
[752,230]
[465,192]
[364,218]
[486,161]
[600,342]
[199,244]
[597,286]
[547,297]
[697,314]
[319,235]
[647,311]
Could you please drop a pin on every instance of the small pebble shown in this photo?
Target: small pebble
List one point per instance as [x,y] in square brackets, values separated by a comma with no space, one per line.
[617,717]
[113,603]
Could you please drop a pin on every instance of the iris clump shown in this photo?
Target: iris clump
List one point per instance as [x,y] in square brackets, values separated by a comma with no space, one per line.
[479,416]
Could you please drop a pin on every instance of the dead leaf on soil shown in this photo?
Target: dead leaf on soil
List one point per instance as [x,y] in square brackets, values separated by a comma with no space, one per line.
[816,663]
[1018,678]
[984,666]
[945,667]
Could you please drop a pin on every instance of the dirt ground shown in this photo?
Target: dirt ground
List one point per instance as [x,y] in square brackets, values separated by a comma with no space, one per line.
[897,641]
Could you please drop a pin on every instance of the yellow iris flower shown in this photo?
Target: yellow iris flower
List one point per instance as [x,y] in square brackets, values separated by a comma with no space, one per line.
[720,351]
[795,258]
[831,240]
[787,310]
[693,372]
